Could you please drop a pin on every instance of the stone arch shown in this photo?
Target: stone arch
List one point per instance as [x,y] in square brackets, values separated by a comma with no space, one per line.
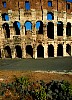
[68,29]
[60,28]
[60,50]
[50,50]
[40,51]
[5,17]
[39,27]
[50,16]
[50,30]
[28,26]
[6,30]
[68,49]
[18,51]
[7,51]
[29,51]
[17,25]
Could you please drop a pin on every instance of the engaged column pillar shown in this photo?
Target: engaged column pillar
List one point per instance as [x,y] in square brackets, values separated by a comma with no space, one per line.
[2,53]
[64,49]
[45,51]
[71,49]
[55,50]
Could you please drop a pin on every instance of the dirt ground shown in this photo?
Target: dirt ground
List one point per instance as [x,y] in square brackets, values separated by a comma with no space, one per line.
[8,76]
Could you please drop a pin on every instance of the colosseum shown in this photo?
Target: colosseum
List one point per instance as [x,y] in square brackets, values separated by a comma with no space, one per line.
[35,28]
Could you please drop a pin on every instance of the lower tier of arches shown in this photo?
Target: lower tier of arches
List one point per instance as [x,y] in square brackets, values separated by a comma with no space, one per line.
[40,51]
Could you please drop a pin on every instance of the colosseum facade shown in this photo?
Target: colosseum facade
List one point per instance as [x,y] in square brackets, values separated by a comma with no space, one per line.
[35,28]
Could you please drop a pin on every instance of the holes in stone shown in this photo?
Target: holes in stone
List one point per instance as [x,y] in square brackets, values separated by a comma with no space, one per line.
[60,28]
[40,51]
[29,51]
[68,29]
[27,5]
[4,4]
[68,6]
[18,52]
[50,16]
[6,30]
[50,30]
[60,50]
[49,3]
[17,25]
[39,27]
[68,49]
[7,52]
[5,17]
[50,50]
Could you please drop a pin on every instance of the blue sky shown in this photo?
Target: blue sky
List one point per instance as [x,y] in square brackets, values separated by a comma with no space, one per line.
[69,0]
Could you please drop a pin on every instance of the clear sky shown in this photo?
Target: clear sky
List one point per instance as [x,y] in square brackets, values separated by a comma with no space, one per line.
[69,0]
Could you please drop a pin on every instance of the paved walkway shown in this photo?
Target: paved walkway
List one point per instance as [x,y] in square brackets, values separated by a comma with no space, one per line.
[52,64]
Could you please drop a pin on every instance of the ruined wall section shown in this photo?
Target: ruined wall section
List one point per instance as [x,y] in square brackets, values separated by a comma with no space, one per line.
[38,12]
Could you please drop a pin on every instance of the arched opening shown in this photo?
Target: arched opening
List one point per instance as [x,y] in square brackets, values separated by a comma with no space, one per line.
[0,53]
[17,25]
[40,51]
[7,52]
[68,49]
[50,50]
[29,51]
[68,29]
[5,17]
[28,26]
[60,50]
[60,28]
[50,30]
[50,16]
[18,51]
[6,30]
[27,5]
[39,27]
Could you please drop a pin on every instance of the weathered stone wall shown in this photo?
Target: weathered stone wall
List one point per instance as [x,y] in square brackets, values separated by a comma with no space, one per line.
[38,12]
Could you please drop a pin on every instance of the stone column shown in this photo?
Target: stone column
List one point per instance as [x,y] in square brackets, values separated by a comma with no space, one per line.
[13,53]
[45,51]
[71,30]
[2,53]
[35,52]
[64,31]
[24,52]
[71,49]
[55,50]
[64,49]
[55,24]
[55,30]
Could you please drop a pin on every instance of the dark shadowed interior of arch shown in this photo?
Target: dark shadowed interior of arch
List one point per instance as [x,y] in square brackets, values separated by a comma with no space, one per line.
[7,52]
[60,28]
[50,30]
[68,49]
[50,51]
[40,51]
[60,50]
[29,51]
[68,29]
[0,53]
[18,52]
[6,30]
[5,17]
[16,25]
[39,26]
